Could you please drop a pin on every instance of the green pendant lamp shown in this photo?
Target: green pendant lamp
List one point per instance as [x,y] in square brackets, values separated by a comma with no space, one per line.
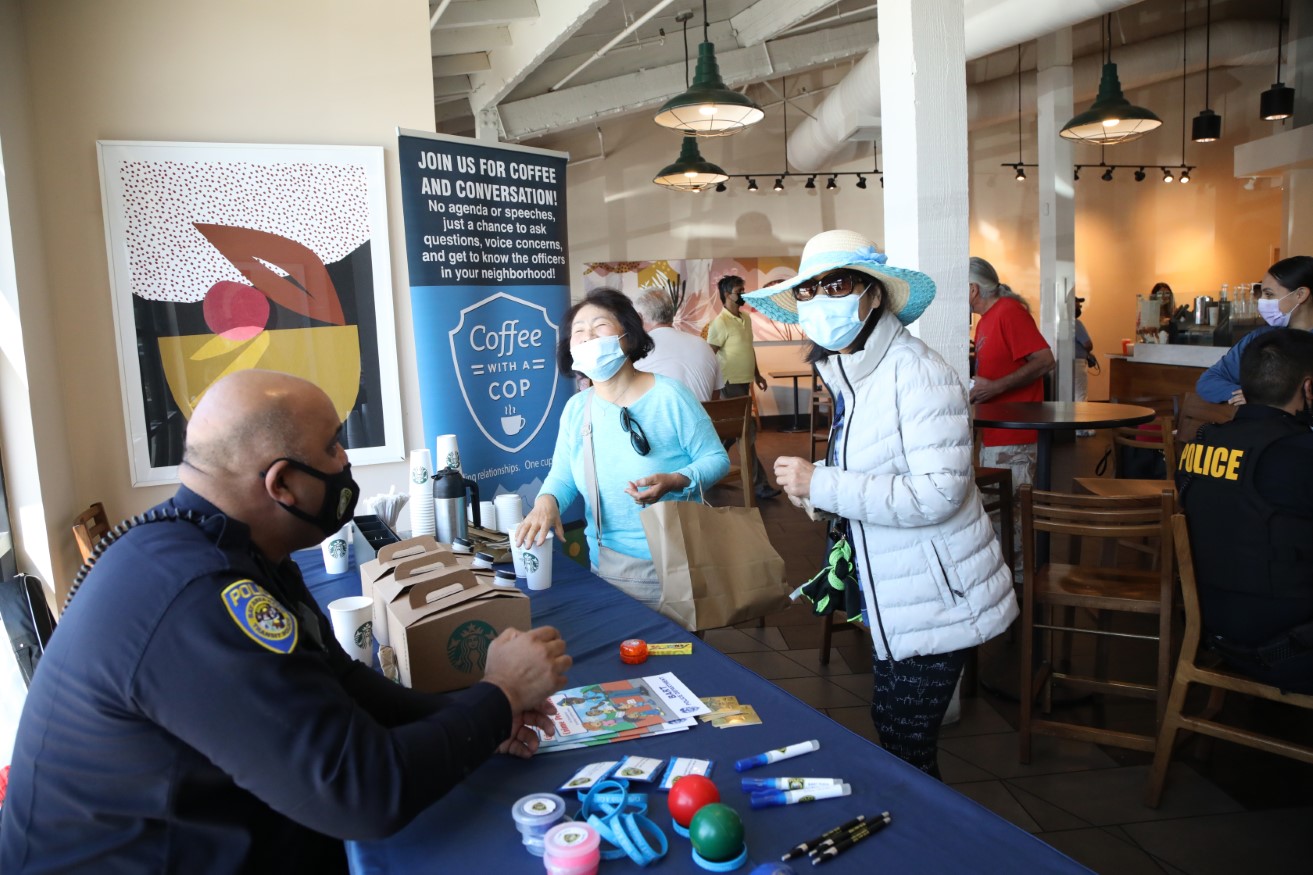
[690,172]
[708,108]
[1111,119]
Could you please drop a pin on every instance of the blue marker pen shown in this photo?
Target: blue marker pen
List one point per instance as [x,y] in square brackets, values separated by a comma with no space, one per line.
[756,785]
[776,755]
[772,798]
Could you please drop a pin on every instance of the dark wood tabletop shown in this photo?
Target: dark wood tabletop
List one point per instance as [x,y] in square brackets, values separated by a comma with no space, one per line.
[1056,415]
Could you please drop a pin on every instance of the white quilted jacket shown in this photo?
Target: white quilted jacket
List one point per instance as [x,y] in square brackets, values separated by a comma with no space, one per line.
[930,565]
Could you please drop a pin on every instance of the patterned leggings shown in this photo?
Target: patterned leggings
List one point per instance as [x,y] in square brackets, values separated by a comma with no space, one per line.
[911,696]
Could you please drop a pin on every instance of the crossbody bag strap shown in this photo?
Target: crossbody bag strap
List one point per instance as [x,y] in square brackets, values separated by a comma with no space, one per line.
[590,466]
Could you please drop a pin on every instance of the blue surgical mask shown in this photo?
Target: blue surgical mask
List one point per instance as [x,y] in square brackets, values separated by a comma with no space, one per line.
[599,358]
[1270,310]
[831,323]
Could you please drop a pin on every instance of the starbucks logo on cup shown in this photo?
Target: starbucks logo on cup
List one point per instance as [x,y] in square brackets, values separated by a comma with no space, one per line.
[419,475]
[337,548]
[363,634]
[453,459]
[530,562]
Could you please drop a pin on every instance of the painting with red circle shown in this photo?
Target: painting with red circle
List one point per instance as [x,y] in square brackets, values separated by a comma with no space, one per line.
[236,311]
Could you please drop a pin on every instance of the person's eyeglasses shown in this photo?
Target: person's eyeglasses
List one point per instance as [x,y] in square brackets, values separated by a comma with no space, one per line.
[838,285]
[637,439]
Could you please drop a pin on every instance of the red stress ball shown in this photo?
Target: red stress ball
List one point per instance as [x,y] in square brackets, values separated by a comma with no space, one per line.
[687,795]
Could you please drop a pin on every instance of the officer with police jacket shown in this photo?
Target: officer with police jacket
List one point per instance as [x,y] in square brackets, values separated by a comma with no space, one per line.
[193,712]
[1247,491]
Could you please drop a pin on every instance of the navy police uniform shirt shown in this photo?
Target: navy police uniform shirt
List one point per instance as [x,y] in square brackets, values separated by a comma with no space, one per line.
[193,714]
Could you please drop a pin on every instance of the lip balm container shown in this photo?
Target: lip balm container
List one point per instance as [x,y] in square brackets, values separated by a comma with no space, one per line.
[534,816]
[483,560]
[462,545]
[572,849]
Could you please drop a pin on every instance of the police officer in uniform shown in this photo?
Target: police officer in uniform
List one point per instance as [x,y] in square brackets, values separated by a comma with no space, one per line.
[1246,488]
[194,713]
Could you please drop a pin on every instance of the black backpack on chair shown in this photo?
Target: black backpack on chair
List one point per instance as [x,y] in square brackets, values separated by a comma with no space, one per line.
[27,619]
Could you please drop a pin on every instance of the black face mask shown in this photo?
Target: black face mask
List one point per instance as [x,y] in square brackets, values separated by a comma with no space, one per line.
[340,496]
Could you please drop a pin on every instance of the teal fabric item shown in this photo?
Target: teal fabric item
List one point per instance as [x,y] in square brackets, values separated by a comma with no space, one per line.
[682,439]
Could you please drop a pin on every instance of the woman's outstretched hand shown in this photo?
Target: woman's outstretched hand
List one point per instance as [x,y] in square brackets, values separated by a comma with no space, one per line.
[794,475]
[544,517]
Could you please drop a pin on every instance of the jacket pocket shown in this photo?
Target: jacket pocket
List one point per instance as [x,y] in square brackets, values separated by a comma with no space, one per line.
[944,573]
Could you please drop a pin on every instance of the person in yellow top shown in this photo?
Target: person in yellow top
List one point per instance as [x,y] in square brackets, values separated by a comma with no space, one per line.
[730,337]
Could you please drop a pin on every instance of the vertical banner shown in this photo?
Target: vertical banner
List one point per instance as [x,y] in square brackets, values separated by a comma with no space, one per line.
[485,243]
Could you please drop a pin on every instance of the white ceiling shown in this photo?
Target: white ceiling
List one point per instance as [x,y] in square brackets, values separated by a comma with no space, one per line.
[505,58]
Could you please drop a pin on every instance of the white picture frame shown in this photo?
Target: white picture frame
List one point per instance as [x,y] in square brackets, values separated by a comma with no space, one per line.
[187,226]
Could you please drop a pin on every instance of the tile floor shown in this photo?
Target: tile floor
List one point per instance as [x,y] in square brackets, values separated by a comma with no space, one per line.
[1238,810]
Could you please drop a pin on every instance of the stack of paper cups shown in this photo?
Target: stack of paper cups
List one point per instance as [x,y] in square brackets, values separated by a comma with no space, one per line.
[447,454]
[510,513]
[421,493]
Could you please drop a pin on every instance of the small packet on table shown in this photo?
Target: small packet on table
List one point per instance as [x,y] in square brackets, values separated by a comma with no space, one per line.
[747,716]
[721,706]
[681,766]
[585,778]
[638,768]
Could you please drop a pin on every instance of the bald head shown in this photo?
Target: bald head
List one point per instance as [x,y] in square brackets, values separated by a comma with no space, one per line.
[249,418]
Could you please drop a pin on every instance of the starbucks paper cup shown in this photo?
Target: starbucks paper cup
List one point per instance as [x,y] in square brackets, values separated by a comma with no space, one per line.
[537,562]
[446,454]
[352,619]
[336,549]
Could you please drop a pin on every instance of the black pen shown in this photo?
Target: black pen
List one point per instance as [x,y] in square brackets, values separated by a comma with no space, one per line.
[845,842]
[846,835]
[808,845]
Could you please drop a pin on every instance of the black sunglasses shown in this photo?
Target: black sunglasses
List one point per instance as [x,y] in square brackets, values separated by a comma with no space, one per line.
[637,439]
[836,285]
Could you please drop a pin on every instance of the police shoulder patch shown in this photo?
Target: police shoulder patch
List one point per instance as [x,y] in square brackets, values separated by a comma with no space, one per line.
[260,617]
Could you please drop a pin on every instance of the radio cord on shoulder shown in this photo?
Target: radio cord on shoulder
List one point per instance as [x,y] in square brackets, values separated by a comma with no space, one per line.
[171,515]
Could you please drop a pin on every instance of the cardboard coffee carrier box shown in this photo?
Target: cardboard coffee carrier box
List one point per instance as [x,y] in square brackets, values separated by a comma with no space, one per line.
[443,619]
[381,570]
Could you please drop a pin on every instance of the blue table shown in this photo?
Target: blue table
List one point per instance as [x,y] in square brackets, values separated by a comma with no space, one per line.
[934,828]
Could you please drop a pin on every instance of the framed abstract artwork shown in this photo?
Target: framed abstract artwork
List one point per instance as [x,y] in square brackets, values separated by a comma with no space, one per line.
[226,257]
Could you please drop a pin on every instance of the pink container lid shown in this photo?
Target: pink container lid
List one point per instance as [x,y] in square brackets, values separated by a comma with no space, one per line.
[573,840]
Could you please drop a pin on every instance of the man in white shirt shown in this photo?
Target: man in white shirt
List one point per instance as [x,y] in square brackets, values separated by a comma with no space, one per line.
[679,355]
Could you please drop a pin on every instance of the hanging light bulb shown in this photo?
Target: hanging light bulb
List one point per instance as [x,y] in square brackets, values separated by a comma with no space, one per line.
[690,172]
[1075,174]
[1185,175]
[811,182]
[720,187]
[1167,175]
[752,184]
[1207,126]
[832,184]
[1278,102]
[779,183]
[1021,174]
[1107,175]
[861,181]
[1139,175]
[708,108]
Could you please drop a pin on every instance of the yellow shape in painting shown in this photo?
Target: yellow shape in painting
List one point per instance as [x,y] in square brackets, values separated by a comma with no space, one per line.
[326,355]
[655,275]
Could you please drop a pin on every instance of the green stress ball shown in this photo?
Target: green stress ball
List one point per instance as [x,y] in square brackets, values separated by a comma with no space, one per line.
[716,832]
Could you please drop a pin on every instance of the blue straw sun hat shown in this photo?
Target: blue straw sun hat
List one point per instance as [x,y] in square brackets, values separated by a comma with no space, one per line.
[907,292]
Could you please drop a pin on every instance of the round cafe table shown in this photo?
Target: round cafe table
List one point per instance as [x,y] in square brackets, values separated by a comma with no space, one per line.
[1046,417]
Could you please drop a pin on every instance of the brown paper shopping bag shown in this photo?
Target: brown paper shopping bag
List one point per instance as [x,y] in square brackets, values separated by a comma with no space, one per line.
[716,564]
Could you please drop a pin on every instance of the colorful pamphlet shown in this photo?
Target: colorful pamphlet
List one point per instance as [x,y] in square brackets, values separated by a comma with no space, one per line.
[621,710]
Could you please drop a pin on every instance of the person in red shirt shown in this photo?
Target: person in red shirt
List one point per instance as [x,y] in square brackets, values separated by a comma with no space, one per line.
[1012,358]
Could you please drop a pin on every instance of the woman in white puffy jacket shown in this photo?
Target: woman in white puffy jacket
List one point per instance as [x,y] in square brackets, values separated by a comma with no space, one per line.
[898,476]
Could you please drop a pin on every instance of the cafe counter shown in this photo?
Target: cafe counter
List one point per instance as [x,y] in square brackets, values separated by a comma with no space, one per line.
[1159,370]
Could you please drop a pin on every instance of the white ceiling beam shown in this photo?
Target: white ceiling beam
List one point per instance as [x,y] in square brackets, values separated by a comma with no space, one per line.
[450,86]
[532,42]
[455,65]
[468,39]
[634,92]
[479,13]
[766,19]
[452,109]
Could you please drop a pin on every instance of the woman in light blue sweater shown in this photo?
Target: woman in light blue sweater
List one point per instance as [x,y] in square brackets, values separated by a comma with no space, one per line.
[651,440]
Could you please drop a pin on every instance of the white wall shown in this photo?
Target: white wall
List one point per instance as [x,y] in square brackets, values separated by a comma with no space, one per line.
[294,71]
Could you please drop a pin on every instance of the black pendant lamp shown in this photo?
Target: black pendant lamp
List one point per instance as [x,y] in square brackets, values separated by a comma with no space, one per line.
[1020,168]
[1278,102]
[1111,119]
[708,108]
[690,172]
[1207,126]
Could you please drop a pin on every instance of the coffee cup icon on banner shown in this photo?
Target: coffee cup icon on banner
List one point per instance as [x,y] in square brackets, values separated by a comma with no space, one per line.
[512,425]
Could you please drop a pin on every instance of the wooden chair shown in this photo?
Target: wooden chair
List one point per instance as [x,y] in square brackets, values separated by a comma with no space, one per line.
[995,485]
[1192,669]
[732,418]
[822,413]
[90,526]
[1062,588]
[1159,440]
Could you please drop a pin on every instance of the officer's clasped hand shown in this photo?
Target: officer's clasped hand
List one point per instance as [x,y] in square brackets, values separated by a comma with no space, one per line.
[528,667]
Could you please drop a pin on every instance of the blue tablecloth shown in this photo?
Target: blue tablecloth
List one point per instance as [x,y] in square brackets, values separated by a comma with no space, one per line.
[934,828]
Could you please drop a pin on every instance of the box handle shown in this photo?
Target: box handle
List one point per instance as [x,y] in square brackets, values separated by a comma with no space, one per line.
[417,546]
[431,591]
[423,564]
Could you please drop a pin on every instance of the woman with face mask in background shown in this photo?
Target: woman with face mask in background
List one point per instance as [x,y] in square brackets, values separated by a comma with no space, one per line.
[651,440]
[1284,303]
[897,482]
